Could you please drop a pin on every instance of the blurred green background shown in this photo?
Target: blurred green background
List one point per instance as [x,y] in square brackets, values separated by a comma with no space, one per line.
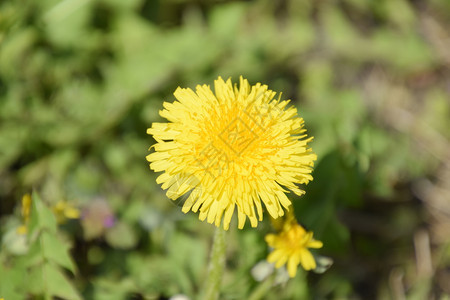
[82,80]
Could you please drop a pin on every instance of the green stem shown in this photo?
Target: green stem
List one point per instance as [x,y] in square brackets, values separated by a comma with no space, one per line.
[260,292]
[216,267]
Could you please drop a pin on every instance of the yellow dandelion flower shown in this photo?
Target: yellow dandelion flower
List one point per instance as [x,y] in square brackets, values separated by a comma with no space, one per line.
[64,210]
[233,149]
[291,247]
[26,208]
[22,229]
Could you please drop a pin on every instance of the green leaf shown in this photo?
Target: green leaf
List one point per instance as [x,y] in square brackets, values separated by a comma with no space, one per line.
[105,289]
[54,250]
[34,255]
[41,216]
[35,280]
[14,49]
[12,138]
[225,20]
[121,236]
[57,284]
[11,281]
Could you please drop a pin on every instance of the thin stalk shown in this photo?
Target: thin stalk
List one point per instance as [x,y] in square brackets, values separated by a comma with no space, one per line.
[211,289]
[260,292]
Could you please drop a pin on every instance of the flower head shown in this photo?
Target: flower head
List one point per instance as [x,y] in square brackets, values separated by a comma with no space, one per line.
[291,246]
[63,210]
[96,218]
[231,150]
[26,208]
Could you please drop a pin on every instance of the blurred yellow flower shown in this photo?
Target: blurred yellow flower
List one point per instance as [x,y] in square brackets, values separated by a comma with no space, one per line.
[291,246]
[26,208]
[234,148]
[64,210]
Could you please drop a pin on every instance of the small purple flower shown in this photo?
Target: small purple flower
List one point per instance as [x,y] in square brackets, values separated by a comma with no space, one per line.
[109,221]
[96,217]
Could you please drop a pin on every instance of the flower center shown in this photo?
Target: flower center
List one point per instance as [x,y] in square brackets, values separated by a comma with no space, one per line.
[233,136]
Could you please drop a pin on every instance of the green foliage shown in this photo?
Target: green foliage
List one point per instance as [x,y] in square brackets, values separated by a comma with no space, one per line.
[39,271]
[80,81]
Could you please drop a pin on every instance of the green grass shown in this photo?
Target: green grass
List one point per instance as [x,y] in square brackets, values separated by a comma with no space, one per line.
[81,81]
